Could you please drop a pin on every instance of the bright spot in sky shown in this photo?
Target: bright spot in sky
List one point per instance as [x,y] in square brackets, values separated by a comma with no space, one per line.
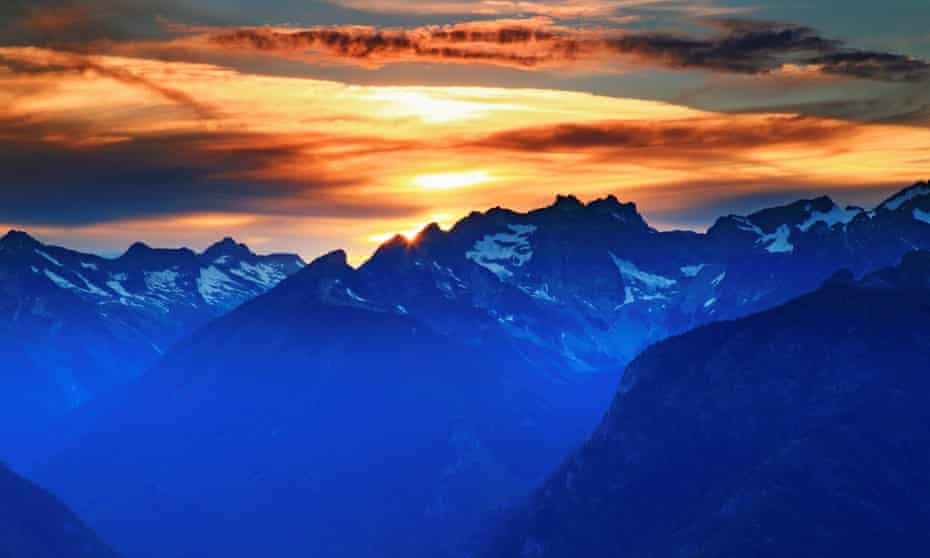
[442,219]
[430,107]
[451,180]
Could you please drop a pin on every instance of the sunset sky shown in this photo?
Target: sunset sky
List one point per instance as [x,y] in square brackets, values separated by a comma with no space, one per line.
[335,124]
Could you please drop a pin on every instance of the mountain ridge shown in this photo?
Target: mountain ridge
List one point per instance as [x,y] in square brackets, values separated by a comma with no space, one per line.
[78,325]
[519,325]
[795,431]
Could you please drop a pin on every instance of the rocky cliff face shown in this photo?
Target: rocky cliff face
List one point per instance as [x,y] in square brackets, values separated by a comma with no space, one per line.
[797,431]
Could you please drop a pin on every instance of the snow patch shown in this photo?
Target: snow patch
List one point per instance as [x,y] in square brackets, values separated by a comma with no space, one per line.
[495,251]
[779,240]
[354,296]
[542,293]
[834,216]
[692,270]
[264,274]
[922,216]
[61,281]
[212,284]
[718,279]
[162,281]
[87,265]
[710,302]
[48,257]
[906,196]
[628,270]
[91,288]
[745,224]
[118,288]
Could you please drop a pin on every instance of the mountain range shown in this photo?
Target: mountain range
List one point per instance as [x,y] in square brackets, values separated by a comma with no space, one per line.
[382,410]
[77,325]
[798,431]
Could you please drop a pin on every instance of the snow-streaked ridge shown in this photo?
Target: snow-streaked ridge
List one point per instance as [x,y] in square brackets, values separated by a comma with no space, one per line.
[833,217]
[779,242]
[495,252]
[923,216]
[906,196]
[692,270]
[629,270]
[213,284]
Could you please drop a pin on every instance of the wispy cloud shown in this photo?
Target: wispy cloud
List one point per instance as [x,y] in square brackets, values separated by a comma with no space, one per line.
[736,46]
[83,147]
[669,139]
[570,9]
[51,62]
[605,11]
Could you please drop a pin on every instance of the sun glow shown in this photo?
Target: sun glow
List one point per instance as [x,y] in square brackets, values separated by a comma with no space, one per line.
[452,180]
[428,106]
[410,231]
[355,164]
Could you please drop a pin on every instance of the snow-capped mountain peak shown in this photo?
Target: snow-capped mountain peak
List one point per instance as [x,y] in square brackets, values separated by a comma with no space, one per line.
[919,191]
[16,240]
[228,248]
[127,309]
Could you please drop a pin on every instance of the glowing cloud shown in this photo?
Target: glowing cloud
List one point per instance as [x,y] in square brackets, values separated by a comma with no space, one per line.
[452,180]
[172,150]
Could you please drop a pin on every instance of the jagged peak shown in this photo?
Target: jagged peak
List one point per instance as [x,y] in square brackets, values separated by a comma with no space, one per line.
[567,202]
[17,238]
[396,241]
[608,201]
[802,214]
[799,207]
[228,247]
[429,233]
[917,190]
[328,279]
[138,247]
[336,260]
[140,251]
[226,242]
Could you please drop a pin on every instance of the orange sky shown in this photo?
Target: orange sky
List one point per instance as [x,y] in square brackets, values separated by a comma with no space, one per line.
[305,164]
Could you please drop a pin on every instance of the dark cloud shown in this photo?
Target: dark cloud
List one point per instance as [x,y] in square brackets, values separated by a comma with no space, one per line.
[531,46]
[737,46]
[880,66]
[743,47]
[670,139]
[45,182]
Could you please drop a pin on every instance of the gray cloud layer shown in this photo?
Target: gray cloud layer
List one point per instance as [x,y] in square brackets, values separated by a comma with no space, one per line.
[737,46]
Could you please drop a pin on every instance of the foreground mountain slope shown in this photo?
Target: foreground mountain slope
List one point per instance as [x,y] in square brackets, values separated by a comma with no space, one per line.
[75,325]
[313,421]
[488,351]
[34,524]
[797,431]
